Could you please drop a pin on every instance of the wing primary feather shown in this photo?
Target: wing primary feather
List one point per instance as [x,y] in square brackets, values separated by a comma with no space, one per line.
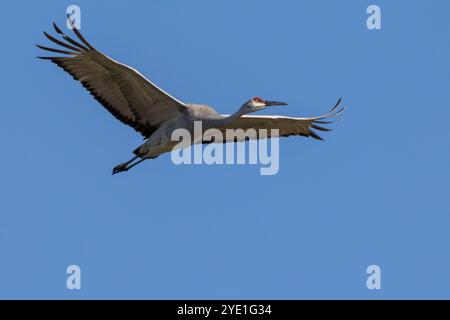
[55,50]
[323,122]
[320,128]
[68,46]
[79,35]
[75,43]
[337,103]
[75,30]
[315,135]
[69,39]
[330,113]
[47,58]
[339,112]
[335,107]
[57,29]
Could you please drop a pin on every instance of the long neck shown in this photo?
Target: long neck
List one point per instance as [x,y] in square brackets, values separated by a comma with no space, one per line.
[228,120]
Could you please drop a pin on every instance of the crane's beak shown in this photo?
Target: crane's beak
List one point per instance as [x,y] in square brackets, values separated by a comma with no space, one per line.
[274,103]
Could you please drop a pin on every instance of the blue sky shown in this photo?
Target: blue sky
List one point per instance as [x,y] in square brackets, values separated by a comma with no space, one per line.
[375,192]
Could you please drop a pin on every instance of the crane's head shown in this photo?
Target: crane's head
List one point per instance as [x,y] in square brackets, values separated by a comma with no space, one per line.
[256,103]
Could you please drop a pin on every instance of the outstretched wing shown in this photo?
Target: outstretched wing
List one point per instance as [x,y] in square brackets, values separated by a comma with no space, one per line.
[122,90]
[286,126]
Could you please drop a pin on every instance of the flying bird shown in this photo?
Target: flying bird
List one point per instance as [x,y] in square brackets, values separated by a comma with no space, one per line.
[155,114]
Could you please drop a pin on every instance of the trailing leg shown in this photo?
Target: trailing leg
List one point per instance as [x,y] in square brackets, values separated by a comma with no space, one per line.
[126,165]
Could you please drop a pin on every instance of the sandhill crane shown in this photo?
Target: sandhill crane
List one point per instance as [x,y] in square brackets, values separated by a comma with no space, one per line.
[137,102]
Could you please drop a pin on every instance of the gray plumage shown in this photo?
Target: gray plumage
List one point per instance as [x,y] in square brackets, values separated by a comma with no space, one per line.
[139,103]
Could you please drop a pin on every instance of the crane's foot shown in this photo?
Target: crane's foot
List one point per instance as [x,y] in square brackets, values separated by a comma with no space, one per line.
[120,168]
[127,165]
